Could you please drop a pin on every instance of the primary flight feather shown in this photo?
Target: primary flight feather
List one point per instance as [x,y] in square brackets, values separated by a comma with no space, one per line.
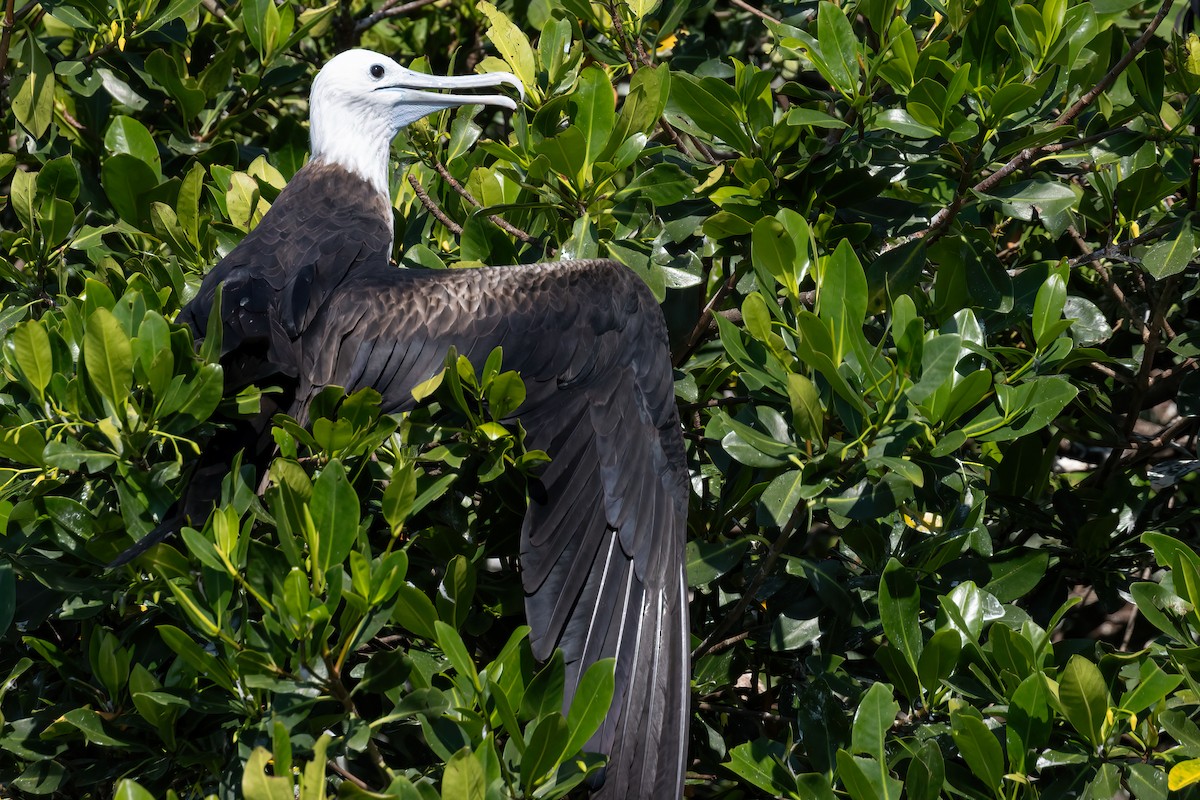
[309,300]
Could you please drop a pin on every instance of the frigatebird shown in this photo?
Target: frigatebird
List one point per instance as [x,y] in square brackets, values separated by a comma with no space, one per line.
[309,299]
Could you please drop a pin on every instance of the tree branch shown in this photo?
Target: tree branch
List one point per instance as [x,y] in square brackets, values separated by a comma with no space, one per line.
[433,207]
[777,547]
[945,216]
[470,198]
[391,9]
[758,12]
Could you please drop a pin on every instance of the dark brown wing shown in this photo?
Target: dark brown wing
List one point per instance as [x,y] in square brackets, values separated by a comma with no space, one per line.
[602,543]
[323,225]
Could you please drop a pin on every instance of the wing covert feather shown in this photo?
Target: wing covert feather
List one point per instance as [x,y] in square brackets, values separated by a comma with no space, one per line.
[602,542]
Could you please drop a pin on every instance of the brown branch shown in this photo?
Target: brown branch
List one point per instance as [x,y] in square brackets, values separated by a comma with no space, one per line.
[433,207]
[6,28]
[785,535]
[741,712]
[725,644]
[716,402]
[742,4]
[470,198]
[945,216]
[391,9]
[706,317]
[1152,342]
[622,38]
[347,775]
[1123,247]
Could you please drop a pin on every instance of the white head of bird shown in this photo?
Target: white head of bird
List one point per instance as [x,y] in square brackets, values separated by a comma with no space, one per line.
[361,99]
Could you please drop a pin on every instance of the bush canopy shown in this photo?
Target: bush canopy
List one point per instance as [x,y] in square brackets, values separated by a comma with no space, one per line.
[929,272]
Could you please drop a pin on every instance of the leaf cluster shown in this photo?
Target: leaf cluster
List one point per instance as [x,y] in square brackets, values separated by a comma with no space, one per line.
[929,273]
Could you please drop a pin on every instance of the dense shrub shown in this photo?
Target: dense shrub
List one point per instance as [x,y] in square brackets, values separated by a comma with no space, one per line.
[929,270]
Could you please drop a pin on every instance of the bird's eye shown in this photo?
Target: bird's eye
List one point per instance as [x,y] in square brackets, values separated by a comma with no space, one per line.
[377,71]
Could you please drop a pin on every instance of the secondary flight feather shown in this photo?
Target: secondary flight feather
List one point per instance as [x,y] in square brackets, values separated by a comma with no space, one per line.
[309,300]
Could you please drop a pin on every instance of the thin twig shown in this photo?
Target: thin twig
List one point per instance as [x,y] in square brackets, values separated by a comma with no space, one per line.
[742,712]
[433,207]
[470,198]
[1152,342]
[6,29]
[945,216]
[777,547]
[725,644]
[391,9]
[758,12]
[701,328]
[622,39]
[1121,247]
[716,402]
[347,775]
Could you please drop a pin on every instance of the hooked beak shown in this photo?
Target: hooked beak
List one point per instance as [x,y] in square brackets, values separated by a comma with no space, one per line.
[414,85]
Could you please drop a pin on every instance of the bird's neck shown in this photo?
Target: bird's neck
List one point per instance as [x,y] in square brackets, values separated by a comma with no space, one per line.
[359,143]
[374,174]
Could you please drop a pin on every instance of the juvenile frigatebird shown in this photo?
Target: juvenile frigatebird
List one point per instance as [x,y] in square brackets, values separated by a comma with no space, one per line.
[309,300]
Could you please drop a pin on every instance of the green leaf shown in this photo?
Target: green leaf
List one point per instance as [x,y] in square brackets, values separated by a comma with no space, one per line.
[1047,309]
[456,592]
[707,561]
[511,43]
[876,713]
[1083,696]
[938,658]
[1170,256]
[257,785]
[335,516]
[544,694]
[91,725]
[867,778]
[505,395]
[595,115]
[127,135]
[127,181]
[979,748]
[773,251]
[643,106]
[463,777]
[782,496]
[32,91]
[131,790]
[31,346]
[759,762]
[808,415]
[452,645]
[926,772]
[842,300]
[590,704]
[839,48]
[713,105]
[1029,719]
[900,611]
[415,612]
[544,749]
[108,356]
[1025,199]
[399,496]
[1015,577]
[1153,687]
[900,121]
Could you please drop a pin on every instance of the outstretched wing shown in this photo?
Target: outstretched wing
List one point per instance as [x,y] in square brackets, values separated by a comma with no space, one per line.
[602,543]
